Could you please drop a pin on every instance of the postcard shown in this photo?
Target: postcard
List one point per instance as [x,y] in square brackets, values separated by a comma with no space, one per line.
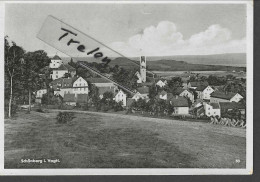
[120,87]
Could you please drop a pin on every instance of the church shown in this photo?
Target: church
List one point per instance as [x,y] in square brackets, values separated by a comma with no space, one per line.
[142,74]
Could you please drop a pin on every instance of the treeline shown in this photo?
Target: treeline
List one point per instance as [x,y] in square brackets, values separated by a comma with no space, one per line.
[24,74]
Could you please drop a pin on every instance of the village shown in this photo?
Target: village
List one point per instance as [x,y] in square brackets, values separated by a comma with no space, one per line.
[222,101]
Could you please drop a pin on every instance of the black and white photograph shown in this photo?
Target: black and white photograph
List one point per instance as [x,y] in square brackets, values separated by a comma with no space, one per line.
[120,87]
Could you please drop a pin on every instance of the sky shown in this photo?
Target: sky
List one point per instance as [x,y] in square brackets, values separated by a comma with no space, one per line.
[137,29]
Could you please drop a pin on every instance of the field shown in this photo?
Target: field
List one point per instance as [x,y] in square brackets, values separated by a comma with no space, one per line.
[105,140]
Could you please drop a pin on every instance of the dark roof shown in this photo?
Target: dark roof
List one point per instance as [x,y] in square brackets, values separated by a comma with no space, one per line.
[145,84]
[179,102]
[201,87]
[197,84]
[214,105]
[223,95]
[70,68]
[98,80]
[65,82]
[102,90]
[231,105]
[179,90]
[129,102]
[69,98]
[56,57]
[82,98]
[143,90]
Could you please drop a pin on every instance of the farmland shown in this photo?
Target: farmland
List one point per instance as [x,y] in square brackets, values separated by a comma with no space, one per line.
[105,140]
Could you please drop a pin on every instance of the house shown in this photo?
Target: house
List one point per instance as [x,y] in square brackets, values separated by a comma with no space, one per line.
[56,61]
[161,83]
[137,96]
[80,86]
[225,97]
[185,93]
[69,99]
[142,92]
[164,95]
[75,85]
[194,85]
[212,109]
[62,70]
[121,97]
[39,93]
[82,99]
[102,90]
[228,106]
[180,105]
[204,92]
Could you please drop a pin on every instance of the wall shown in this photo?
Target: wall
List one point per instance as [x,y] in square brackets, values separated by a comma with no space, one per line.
[120,96]
[58,74]
[40,93]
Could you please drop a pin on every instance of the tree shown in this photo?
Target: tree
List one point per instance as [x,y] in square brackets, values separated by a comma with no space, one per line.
[13,70]
[34,62]
[173,84]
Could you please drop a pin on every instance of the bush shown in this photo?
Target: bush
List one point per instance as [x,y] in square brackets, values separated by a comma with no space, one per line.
[39,110]
[65,117]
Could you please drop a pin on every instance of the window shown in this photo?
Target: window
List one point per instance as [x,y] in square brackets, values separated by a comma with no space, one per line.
[208,108]
[75,84]
[208,113]
[56,76]
[57,72]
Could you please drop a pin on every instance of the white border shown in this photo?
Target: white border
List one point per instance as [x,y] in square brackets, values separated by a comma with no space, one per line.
[137,171]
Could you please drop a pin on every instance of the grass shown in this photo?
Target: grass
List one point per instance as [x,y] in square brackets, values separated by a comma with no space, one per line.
[105,140]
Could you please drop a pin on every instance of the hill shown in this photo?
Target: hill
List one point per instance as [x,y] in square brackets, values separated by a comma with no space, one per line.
[219,62]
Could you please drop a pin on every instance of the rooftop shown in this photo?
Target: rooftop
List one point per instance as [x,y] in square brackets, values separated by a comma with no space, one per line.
[214,105]
[56,57]
[231,105]
[223,95]
[179,102]
[143,90]
[98,80]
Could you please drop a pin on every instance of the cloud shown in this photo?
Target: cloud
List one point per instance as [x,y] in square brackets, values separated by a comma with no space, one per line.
[164,39]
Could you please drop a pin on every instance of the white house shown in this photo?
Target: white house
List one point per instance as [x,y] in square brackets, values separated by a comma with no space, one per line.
[80,86]
[161,83]
[143,91]
[164,95]
[180,105]
[212,109]
[225,97]
[185,93]
[204,92]
[121,96]
[39,93]
[62,70]
[75,85]
[55,62]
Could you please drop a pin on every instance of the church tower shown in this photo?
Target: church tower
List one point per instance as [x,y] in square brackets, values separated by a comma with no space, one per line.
[143,68]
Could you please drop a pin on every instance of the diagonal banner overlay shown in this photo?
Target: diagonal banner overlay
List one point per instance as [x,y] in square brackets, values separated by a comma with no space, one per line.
[76,44]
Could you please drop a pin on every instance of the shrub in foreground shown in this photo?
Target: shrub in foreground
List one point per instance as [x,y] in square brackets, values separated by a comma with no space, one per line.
[65,117]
